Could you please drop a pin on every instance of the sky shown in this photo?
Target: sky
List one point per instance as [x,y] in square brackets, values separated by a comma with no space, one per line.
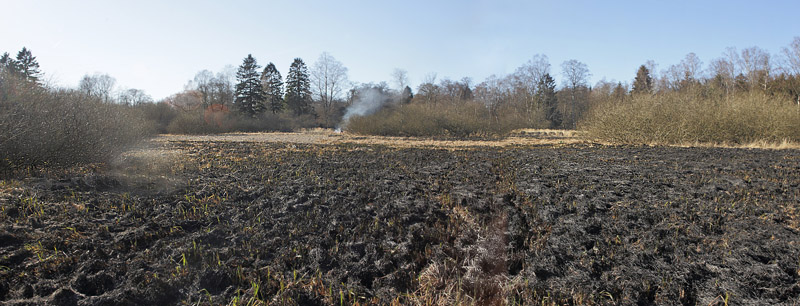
[158,46]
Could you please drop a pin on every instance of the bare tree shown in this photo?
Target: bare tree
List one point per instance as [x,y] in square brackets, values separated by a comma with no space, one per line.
[213,89]
[133,97]
[455,91]
[692,67]
[526,81]
[791,56]
[329,78]
[204,83]
[604,90]
[791,65]
[428,91]
[723,73]
[755,65]
[532,72]
[98,85]
[671,77]
[576,74]
[400,78]
[576,77]
[188,100]
[222,88]
[494,92]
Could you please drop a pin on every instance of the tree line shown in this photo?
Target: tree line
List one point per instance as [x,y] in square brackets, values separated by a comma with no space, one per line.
[530,95]
[320,95]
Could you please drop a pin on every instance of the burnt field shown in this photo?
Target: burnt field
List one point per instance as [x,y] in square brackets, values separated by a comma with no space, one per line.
[250,223]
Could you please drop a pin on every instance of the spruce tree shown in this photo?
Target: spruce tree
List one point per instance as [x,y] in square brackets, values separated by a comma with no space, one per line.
[272,83]
[7,64]
[643,83]
[298,88]
[249,93]
[619,92]
[27,65]
[546,94]
[406,95]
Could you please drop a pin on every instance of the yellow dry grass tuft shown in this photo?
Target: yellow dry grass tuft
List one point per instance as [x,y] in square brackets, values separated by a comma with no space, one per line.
[527,137]
[758,144]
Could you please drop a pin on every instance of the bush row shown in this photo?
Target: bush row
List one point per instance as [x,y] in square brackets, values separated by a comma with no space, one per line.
[694,116]
[55,127]
[461,120]
[202,122]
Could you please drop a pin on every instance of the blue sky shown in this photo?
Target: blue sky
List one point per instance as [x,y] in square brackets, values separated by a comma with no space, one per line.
[158,46]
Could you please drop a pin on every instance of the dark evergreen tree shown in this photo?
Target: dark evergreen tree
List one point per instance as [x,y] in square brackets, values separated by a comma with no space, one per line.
[643,83]
[298,88]
[27,65]
[406,95]
[546,94]
[272,83]
[7,64]
[249,93]
[465,93]
[619,93]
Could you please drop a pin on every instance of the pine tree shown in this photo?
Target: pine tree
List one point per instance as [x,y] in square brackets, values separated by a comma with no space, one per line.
[27,65]
[249,93]
[272,83]
[619,92]
[643,83]
[298,88]
[7,64]
[406,95]
[546,94]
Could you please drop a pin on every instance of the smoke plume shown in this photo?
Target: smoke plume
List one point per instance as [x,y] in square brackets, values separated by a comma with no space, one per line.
[368,100]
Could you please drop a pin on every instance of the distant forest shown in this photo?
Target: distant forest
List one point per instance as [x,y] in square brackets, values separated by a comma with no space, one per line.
[744,95]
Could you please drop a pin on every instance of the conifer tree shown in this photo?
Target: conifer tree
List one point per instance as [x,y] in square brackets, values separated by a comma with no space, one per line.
[546,94]
[406,95]
[27,65]
[249,93]
[272,83]
[7,64]
[298,88]
[619,92]
[643,83]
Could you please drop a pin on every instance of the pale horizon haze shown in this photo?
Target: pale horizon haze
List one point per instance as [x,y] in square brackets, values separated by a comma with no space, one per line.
[158,46]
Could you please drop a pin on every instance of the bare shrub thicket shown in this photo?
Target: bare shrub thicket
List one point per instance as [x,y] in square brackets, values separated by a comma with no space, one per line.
[199,122]
[57,127]
[463,120]
[692,116]
[158,115]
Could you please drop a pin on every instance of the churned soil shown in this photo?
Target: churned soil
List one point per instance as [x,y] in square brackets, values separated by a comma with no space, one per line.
[238,222]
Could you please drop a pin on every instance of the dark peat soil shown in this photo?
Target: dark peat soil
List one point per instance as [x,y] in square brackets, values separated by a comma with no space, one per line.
[258,223]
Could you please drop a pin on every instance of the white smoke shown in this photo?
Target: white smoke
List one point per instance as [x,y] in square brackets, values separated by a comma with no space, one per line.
[368,101]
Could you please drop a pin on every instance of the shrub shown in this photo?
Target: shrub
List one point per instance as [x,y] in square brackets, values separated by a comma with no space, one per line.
[47,127]
[193,122]
[158,115]
[197,122]
[695,116]
[265,123]
[460,120]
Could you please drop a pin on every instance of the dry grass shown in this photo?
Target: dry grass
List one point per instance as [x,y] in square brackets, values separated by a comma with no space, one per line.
[547,133]
[758,144]
[746,120]
[522,137]
[327,136]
